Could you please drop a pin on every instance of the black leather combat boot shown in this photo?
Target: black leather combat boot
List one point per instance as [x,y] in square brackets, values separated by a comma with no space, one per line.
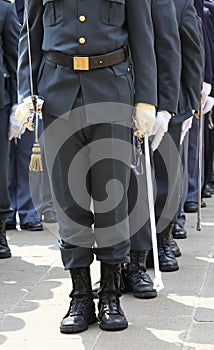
[178,231]
[111,315]
[81,312]
[175,248]
[167,260]
[136,279]
[4,248]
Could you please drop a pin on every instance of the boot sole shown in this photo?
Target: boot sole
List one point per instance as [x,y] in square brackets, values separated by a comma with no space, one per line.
[72,330]
[76,329]
[169,268]
[5,256]
[113,327]
[177,236]
[141,295]
[146,295]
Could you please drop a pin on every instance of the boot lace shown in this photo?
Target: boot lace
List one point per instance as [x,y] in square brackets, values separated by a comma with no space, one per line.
[77,306]
[110,304]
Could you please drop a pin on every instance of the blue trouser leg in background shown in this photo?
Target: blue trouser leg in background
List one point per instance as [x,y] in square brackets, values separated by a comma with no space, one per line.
[5,209]
[19,186]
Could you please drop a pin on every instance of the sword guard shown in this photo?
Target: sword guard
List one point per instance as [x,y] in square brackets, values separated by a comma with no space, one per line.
[137,164]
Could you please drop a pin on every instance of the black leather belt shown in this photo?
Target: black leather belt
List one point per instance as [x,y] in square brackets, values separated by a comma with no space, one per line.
[88,62]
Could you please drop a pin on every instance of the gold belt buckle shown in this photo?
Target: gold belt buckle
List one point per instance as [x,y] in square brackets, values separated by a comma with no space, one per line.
[81,63]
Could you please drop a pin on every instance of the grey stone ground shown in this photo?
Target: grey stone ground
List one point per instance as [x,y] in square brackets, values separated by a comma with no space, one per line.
[34,297]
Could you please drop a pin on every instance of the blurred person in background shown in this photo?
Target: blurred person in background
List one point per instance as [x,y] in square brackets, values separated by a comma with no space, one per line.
[9,34]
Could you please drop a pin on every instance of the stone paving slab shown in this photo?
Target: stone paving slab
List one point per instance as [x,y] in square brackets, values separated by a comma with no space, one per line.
[34,292]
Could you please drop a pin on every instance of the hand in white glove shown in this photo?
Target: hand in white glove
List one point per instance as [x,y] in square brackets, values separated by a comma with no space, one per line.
[186,125]
[160,127]
[144,119]
[24,113]
[14,125]
[39,102]
[206,89]
[208,104]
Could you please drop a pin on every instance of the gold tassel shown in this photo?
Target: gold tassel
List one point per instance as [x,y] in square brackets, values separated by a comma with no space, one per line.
[36,158]
[198,113]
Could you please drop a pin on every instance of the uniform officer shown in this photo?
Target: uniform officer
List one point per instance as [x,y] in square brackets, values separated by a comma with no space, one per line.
[208,131]
[189,197]
[191,83]
[80,58]
[19,187]
[9,32]
[42,199]
[166,160]
[168,55]
[29,211]
[191,200]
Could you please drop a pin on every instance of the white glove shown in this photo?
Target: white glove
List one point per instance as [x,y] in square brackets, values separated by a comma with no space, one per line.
[24,113]
[14,125]
[160,127]
[39,102]
[208,104]
[206,89]
[186,125]
[144,119]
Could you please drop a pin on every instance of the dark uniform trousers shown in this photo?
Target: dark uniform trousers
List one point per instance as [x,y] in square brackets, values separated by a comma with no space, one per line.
[168,56]
[167,184]
[69,27]
[4,147]
[73,188]
[19,180]
[167,164]
[208,132]
[168,175]
[9,32]
[193,147]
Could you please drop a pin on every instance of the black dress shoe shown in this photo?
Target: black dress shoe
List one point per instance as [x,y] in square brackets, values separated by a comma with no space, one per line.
[10,226]
[192,207]
[167,260]
[4,248]
[166,257]
[206,193]
[140,284]
[135,278]
[211,189]
[179,232]
[32,226]
[50,217]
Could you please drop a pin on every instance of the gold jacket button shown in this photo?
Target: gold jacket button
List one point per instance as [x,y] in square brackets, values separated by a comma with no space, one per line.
[82,40]
[82,18]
